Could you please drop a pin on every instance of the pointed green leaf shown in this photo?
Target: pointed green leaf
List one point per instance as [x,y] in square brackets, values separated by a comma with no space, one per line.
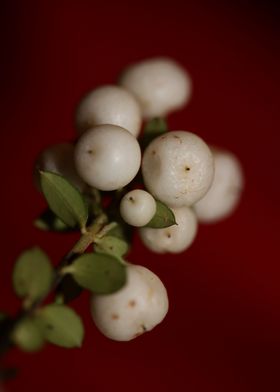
[153,129]
[111,245]
[164,217]
[61,325]
[48,221]
[28,335]
[32,275]
[97,272]
[64,199]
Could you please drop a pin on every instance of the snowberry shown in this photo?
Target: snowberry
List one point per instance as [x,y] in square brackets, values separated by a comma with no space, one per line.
[107,157]
[59,159]
[109,105]
[173,239]
[159,84]
[178,168]
[224,194]
[137,207]
[138,307]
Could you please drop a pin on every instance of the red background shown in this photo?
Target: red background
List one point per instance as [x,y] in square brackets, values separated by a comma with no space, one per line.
[222,332]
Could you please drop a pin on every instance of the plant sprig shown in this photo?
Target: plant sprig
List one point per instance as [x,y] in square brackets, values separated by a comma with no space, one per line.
[34,277]
[45,315]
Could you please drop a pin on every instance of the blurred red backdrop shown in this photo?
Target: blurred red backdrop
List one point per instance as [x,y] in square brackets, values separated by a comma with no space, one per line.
[223,329]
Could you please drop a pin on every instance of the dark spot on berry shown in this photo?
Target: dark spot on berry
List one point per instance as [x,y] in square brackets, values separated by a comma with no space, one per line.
[132,303]
[177,137]
[187,168]
[115,316]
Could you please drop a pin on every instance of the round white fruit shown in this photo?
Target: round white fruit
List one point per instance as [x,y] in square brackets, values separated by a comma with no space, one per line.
[107,157]
[138,307]
[224,194]
[178,168]
[109,105]
[59,159]
[173,239]
[137,207]
[160,85]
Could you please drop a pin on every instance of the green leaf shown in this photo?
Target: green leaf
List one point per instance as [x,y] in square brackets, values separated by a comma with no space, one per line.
[48,221]
[64,199]
[28,335]
[61,325]
[97,272]
[163,217]
[153,129]
[32,275]
[111,245]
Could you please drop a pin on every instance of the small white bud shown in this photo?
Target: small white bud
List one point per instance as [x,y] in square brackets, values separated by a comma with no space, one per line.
[178,168]
[107,157]
[224,194]
[59,159]
[160,85]
[137,207]
[109,105]
[138,307]
[173,239]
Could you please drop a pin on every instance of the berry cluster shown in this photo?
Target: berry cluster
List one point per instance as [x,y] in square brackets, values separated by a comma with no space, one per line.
[177,171]
[116,176]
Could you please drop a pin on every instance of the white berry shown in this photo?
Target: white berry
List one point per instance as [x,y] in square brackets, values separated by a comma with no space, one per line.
[137,207]
[138,307]
[59,159]
[160,85]
[173,239]
[178,168]
[107,157]
[109,105]
[224,194]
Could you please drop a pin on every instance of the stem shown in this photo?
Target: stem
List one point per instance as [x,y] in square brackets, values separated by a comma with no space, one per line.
[105,230]
[95,200]
[87,238]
